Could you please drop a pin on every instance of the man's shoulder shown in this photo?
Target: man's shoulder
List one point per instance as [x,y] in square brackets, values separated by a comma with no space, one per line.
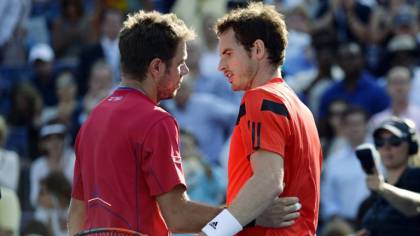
[258,95]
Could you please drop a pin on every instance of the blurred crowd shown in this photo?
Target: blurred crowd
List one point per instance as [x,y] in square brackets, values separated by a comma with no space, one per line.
[354,63]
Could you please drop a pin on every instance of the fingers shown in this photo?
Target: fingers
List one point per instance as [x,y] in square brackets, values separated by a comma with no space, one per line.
[287,200]
[291,216]
[286,223]
[292,208]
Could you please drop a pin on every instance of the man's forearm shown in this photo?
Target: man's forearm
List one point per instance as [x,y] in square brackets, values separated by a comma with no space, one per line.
[182,215]
[192,217]
[256,195]
[76,216]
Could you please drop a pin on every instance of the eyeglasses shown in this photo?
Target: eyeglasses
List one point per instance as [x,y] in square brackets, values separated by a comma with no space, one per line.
[393,141]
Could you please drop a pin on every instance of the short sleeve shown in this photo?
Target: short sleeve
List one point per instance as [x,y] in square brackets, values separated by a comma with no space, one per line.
[161,159]
[77,189]
[267,124]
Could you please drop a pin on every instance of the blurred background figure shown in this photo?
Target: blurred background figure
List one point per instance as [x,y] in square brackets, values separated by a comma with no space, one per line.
[68,31]
[206,116]
[23,121]
[57,156]
[394,210]
[310,84]
[343,186]
[357,87]
[332,136]
[105,48]
[100,86]
[68,108]
[54,197]
[398,82]
[41,58]
[349,18]
[9,161]
[10,213]
[205,181]
[13,18]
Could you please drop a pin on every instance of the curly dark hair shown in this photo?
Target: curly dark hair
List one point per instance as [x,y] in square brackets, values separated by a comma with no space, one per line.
[257,21]
[149,35]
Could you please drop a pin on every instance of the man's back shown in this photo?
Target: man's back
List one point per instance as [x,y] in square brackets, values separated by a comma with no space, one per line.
[121,166]
[274,119]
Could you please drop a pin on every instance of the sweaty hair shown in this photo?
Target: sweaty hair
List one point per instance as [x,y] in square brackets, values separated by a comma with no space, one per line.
[257,21]
[149,35]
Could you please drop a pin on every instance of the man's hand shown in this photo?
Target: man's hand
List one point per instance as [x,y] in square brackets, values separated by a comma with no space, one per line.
[281,213]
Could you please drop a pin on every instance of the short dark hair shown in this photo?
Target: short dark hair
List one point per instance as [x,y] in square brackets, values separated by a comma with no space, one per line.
[257,21]
[353,109]
[57,184]
[149,35]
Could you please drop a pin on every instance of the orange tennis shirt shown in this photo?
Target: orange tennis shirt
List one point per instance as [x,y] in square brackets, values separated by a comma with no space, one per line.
[271,117]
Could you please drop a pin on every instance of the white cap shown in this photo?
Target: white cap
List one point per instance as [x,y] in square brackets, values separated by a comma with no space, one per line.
[52,129]
[402,42]
[42,52]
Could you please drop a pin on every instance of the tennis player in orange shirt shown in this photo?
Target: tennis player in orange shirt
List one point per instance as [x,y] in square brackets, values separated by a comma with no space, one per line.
[275,148]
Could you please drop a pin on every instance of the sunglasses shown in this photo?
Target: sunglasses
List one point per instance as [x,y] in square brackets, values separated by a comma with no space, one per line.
[393,141]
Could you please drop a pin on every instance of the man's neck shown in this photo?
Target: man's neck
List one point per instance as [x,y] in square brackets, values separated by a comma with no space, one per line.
[264,75]
[143,87]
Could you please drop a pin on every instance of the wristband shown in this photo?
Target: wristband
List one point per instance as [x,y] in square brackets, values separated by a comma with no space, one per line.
[224,224]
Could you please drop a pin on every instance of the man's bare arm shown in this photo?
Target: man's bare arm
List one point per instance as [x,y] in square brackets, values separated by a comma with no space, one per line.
[76,216]
[182,215]
[261,189]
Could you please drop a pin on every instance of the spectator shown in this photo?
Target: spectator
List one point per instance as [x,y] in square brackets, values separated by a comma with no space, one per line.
[395,211]
[41,58]
[13,16]
[68,108]
[298,54]
[204,84]
[207,117]
[205,182]
[399,86]
[57,157]
[332,136]
[106,49]
[100,86]
[404,51]
[54,197]
[23,120]
[389,18]
[311,84]
[68,31]
[357,88]
[343,186]
[349,18]
[35,228]
[9,161]
[10,213]
[337,227]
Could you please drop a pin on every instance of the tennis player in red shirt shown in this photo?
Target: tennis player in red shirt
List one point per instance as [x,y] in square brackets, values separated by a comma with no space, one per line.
[128,172]
[275,149]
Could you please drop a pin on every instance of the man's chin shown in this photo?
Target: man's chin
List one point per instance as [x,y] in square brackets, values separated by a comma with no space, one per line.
[166,97]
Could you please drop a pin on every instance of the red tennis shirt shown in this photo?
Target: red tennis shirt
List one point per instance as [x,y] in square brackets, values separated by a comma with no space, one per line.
[273,118]
[127,153]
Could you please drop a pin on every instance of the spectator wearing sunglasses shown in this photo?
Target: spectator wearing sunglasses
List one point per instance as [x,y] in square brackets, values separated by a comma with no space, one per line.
[396,209]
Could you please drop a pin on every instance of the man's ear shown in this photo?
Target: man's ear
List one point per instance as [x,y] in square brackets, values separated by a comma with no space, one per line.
[157,68]
[259,49]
